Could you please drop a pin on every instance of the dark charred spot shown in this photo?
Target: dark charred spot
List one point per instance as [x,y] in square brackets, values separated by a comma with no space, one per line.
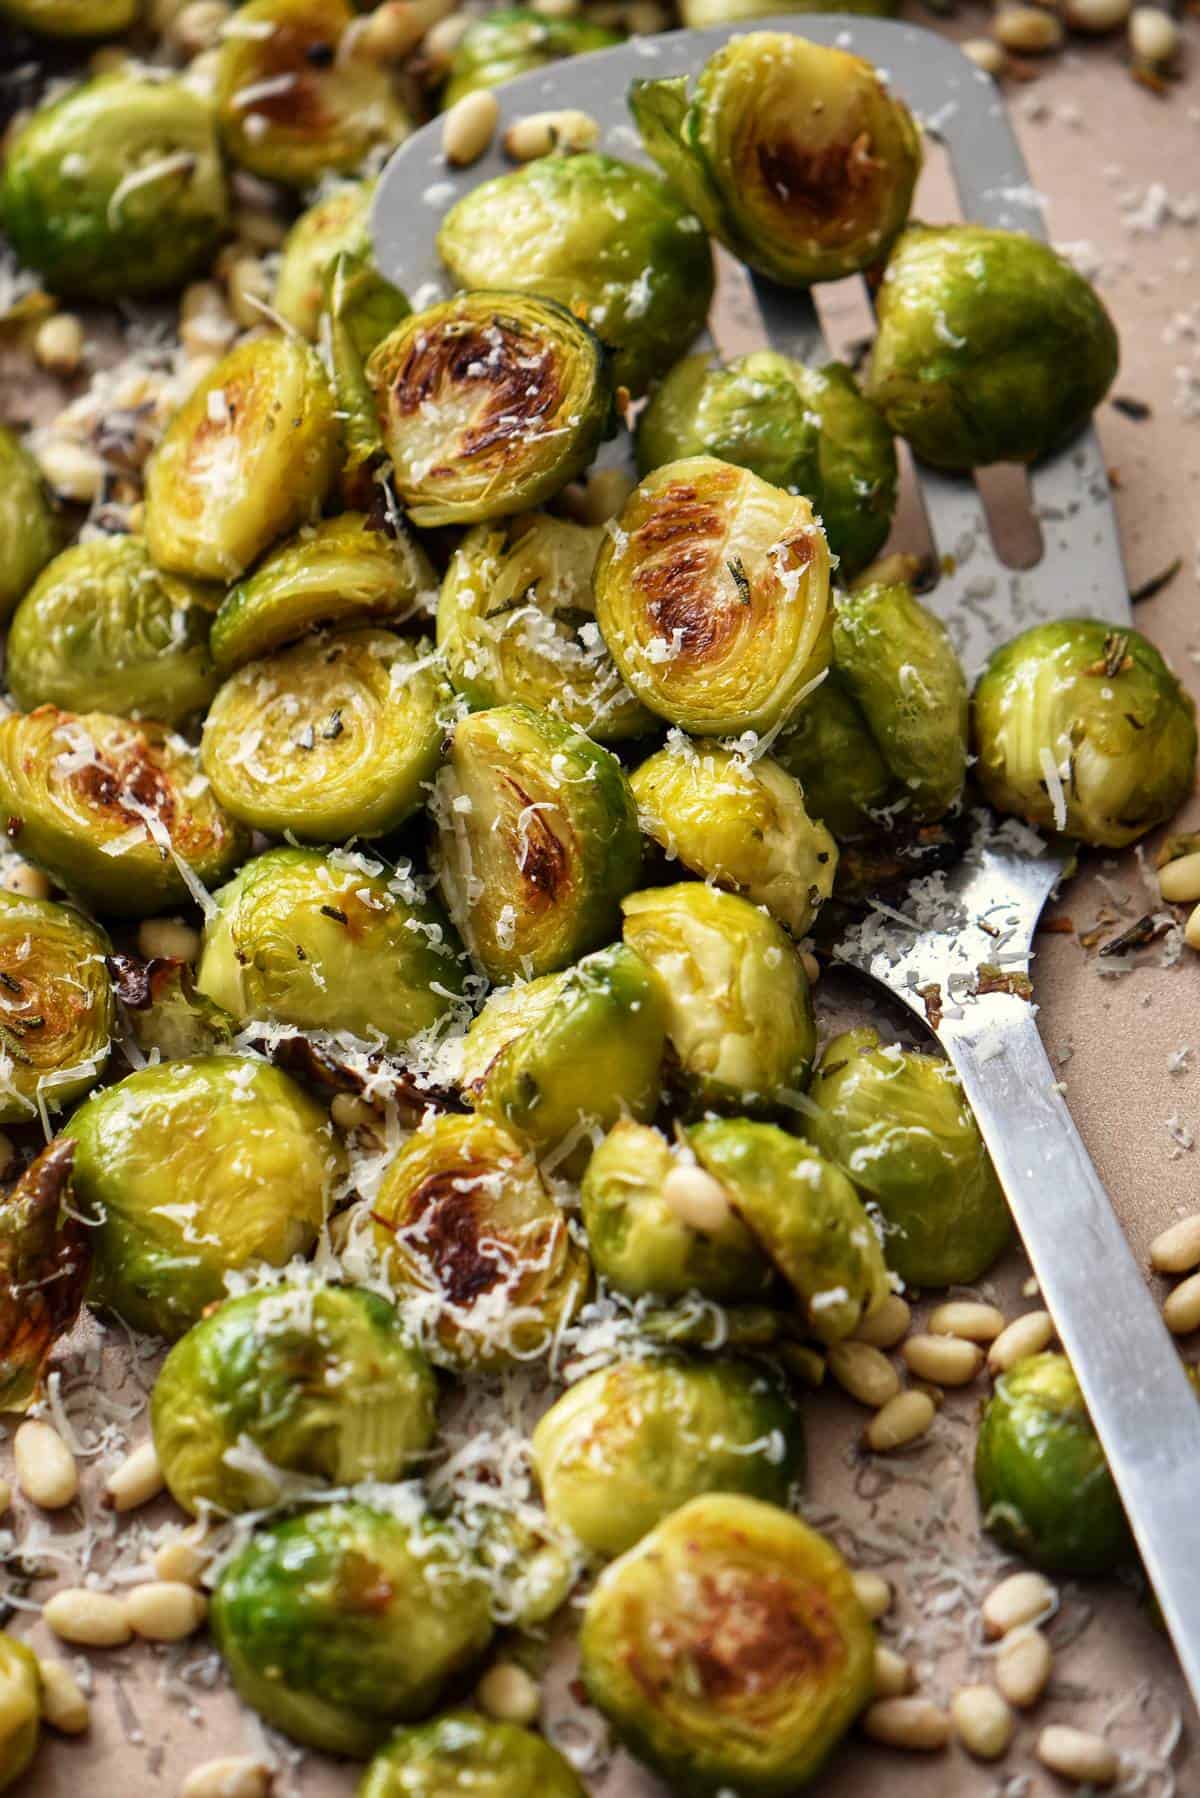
[294,48]
[45,1259]
[447,1227]
[825,183]
[112,779]
[677,550]
[514,379]
[363,1586]
[752,1632]
[540,853]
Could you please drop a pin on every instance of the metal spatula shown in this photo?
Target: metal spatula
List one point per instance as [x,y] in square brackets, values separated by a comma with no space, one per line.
[984,913]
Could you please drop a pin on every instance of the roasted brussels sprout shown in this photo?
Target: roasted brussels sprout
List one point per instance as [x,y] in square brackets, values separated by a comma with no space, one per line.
[164,1011]
[71,18]
[29,532]
[795,155]
[1084,729]
[361,310]
[296,99]
[113,811]
[338,1623]
[537,841]
[332,738]
[337,222]
[1044,1486]
[192,1169]
[462,1752]
[842,771]
[697,14]
[809,430]
[990,347]
[728,1649]
[608,239]
[250,455]
[104,628]
[290,1379]
[20,1708]
[45,1258]
[713,596]
[513,40]
[57,1013]
[489,404]
[897,1123]
[740,824]
[625,1447]
[516,623]
[472,1240]
[330,942]
[739,1012]
[116,189]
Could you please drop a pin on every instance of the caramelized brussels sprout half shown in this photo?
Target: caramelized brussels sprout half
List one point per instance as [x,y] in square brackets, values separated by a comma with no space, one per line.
[71,18]
[739,1011]
[625,1447]
[192,1169]
[462,1752]
[728,1649]
[741,824]
[608,239]
[341,1622]
[1044,1486]
[489,404]
[330,942]
[45,1259]
[516,623]
[1084,729]
[333,738]
[361,310]
[338,222]
[29,531]
[898,1124]
[57,1014]
[511,41]
[250,455]
[990,347]
[697,14]
[20,1708]
[713,596]
[796,156]
[103,627]
[114,811]
[537,841]
[165,1013]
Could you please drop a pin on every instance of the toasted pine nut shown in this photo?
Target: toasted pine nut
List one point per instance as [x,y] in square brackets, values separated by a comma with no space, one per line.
[442,40]
[947,1359]
[1181,1310]
[893,1675]
[887,1326]
[1025,1336]
[600,497]
[986,55]
[1179,881]
[249,290]
[63,1703]
[198,26]
[71,469]
[901,1421]
[1191,930]
[136,1481]
[1078,1755]
[168,939]
[89,1619]
[964,1317]
[45,1466]
[1096,15]
[28,881]
[507,1693]
[1176,1250]
[540,133]
[182,1558]
[982,1721]
[1030,30]
[165,1610]
[1021,1598]
[469,127]
[915,1723]
[873,1593]
[233,1776]
[697,1198]
[1023,1663]
[864,1372]
[1153,36]
[58,347]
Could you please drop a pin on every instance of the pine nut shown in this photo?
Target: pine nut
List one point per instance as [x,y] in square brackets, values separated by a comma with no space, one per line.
[540,133]
[1020,1599]
[388,34]
[1181,1311]
[982,1721]
[26,880]
[88,1619]
[71,469]
[811,966]
[915,1723]
[165,1610]
[947,1359]
[1179,881]
[168,939]
[1097,16]
[893,1675]
[136,1481]
[258,229]
[184,1557]
[1030,30]
[600,497]
[63,1703]
[1153,36]
[864,1372]
[58,347]
[45,1466]
[887,1326]
[873,1593]
[1177,1249]
[697,1198]
[986,55]
[965,1318]
[1191,930]
[901,1421]
[198,26]
[1025,1336]
[442,40]
[1078,1755]
[233,1776]
[1023,1663]
[507,1693]
[249,290]
[469,127]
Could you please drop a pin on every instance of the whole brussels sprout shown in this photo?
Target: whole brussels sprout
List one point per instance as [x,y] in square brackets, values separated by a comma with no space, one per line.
[828,748]
[728,1649]
[339,221]
[113,811]
[1084,729]
[462,1752]
[57,1013]
[625,1447]
[809,430]
[712,593]
[250,455]
[314,1380]
[332,738]
[990,346]
[339,1623]
[1044,1486]
[513,40]
[192,1169]
[537,841]
[489,403]
[697,14]
[20,1708]
[515,622]
[741,824]
[71,18]
[739,1010]
[795,155]
[297,99]
[29,530]
[45,1259]
[117,188]
[104,628]
[898,1124]
[330,942]
[608,239]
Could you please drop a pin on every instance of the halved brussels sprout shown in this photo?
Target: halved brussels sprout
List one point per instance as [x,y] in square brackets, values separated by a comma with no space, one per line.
[296,98]
[339,1623]
[250,455]
[29,530]
[71,18]
[45,1259]
[164,1011]
[1044,1486]
[314,1380]
[608,239]
[1084,729]
[713,595]
[489,404]
[990,346]
[728,1649]
[20,1708]
[114,811]
[330,942]
[625,1447]
[57,1013]
[794,154]
[339,221]
[513,40]
[193,1169]
[741,824]
[104,628]
[739,1010]
[117,188]
[333,738]
[462,1752]
[697,14]
[537,841]
[898,1124]
[472,1240]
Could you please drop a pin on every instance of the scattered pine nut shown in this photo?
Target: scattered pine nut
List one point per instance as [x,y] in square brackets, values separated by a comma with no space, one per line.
[1025,1336]
[168,939]
[71,469]
[1023,1664]
[58,348]
[1177,1250]
[509,1694]
[864,1372]
[811,966]
[987,55]
[901,1421]
[1096,16]
[1181,1311]
[1030,30]
[469,127]
[1022,1598]
[946,1359]
[233,1776]
[873,1593]
[165,1610]
[28,881]
[600,496]
[1078,1755]
[964,1317]
[982,1721]
[86,1618]
[136,1481]
[1191,930]
[894,1676]
[183,1557]
[697,1198]
[541,133]
[915,1723]
[1179,881]
[1153,37]
[198,26]
[45,1467]
[64,1705]
[442,40]
[887,1326]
